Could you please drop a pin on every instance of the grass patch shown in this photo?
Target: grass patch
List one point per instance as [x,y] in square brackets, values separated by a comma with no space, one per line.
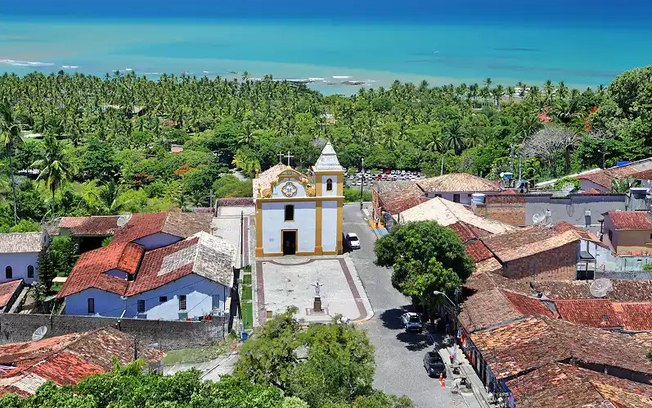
[247,292]
[199,354]
[246,279]
[247,315]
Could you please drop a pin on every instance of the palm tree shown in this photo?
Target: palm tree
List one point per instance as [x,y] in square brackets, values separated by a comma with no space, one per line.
[54,167]
[10,138]
[623,185]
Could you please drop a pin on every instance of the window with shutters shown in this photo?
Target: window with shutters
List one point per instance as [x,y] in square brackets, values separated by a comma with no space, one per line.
[91,305]
[182,302]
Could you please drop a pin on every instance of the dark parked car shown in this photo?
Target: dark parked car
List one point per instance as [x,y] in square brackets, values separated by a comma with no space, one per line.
[434,365]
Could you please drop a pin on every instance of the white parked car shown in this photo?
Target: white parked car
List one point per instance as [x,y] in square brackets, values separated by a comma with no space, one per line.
[352,241]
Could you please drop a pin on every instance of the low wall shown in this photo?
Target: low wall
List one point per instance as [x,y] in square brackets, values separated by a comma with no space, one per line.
[168,335]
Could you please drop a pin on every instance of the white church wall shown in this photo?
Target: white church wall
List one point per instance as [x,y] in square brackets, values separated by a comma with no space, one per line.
[329,226]
[274,222]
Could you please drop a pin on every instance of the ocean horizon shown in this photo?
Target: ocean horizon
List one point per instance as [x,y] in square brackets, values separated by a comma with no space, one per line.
[332,50]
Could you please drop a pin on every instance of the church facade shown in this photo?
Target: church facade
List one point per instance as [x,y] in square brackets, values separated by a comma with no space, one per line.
[298,214]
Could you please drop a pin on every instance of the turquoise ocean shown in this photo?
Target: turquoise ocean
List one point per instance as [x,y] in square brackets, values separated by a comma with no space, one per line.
[327,46]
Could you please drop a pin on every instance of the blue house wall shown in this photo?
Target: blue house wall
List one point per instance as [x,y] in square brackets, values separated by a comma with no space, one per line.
[19,262]
[202,296]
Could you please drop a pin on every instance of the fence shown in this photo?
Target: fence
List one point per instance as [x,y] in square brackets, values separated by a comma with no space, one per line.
[167,335]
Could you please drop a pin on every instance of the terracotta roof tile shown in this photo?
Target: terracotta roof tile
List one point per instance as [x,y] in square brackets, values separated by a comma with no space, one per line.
[478,251]
[180,224]
[591,312]
[579,387]
[7,291]
[494,307]
[91,267]
[100,225]
[398,196]
[634,316]
[534,342]
[66,359]
[457,182]
[630,220]
[527,242]
[642,175]
[566,226]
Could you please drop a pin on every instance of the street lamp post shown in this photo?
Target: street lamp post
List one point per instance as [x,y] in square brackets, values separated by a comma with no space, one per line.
[455,306]
[362,184]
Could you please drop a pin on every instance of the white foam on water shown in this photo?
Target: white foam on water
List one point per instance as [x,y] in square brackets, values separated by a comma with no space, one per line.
[70,66]
[317,79]
[341,77]
[128,69]
[18,63]
[206,72]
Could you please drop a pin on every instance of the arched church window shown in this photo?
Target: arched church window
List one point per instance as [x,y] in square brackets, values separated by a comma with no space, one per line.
[30,271]
[329,185]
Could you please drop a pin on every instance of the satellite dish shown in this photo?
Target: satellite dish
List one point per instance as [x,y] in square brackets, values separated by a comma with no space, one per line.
[600,287]
[538,218]
[568,187]
[123,220]
[39,333]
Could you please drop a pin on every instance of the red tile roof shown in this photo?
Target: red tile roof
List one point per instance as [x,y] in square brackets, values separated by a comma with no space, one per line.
[566,226]
[563,386]
[642,175]
[149,276]
[174,223]
[91,267]
[478,251]
[534,342]
[634,316]
[7,291]
[591,312]
[65,359]
[91,226]
[630,220]
[398,196]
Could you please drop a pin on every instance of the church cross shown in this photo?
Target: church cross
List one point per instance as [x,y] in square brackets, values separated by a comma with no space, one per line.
[289,156]
[280,157]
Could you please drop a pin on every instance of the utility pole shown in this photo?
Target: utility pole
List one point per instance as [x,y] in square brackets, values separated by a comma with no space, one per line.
[520,167]
[441,172]
[210,199]
[511,159]
[241,239]
[362,184]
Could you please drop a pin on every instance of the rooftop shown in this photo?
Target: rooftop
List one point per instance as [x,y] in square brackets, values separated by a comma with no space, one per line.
[591,312]
[603,177]
[526,242]
[202,254]
[493,307]
[7,291]
[457,182]
[327,161]
[398,196]
[630,220]
[100,226]
[177,223]
[205,255]
[447,212]
[534,342]
[21,242]
[65,359]
[264,180]
[579,387]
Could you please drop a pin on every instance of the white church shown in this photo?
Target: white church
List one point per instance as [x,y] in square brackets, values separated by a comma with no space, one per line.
[298,214]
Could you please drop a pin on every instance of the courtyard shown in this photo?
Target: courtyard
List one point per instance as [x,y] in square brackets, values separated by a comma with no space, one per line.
[289,281]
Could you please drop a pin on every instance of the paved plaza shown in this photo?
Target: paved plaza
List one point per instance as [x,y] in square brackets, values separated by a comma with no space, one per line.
[288,281]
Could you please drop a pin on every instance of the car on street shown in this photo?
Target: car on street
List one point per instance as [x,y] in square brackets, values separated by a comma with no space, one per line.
[352,241]
[434,364]
[411,322]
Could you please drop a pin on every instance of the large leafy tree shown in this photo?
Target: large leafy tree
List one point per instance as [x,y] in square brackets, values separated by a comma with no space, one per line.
[426,257]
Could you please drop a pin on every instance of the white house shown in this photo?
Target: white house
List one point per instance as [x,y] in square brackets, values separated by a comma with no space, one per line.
[19,256]
[297,214]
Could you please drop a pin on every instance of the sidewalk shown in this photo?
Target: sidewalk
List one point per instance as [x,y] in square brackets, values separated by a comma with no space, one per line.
[475,397]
